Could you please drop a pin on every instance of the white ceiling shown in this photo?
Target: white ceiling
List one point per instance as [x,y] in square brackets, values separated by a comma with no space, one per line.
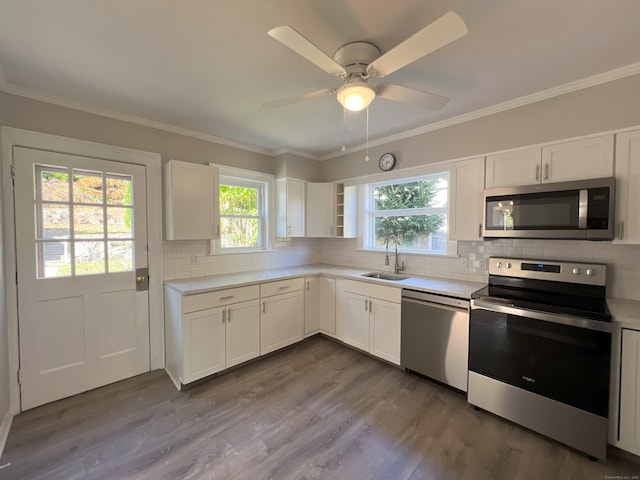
[208,66]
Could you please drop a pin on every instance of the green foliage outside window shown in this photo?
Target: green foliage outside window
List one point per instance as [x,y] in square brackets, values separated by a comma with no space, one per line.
[239,211]
[410,230]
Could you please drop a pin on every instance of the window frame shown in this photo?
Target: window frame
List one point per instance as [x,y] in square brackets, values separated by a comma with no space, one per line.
[265,184]
[370,214]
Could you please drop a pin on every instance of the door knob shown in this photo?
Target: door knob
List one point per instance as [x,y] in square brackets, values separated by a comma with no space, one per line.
[140,279]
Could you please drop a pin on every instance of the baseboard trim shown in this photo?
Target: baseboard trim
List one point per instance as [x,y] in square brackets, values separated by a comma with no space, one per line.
[4,430]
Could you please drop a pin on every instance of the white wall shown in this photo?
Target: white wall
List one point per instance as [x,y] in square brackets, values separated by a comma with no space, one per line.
[4,349]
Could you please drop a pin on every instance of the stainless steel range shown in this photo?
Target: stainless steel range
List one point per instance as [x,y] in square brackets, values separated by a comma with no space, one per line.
[540,349]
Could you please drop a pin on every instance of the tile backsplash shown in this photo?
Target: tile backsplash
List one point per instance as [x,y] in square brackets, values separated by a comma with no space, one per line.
[192,259]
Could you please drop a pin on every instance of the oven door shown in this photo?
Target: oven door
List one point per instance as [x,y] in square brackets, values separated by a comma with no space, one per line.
[562,358]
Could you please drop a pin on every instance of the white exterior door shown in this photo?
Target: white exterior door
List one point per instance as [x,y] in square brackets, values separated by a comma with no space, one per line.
[81,233]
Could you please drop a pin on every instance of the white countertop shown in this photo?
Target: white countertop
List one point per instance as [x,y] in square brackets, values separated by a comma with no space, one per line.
[626,312]
[190,286]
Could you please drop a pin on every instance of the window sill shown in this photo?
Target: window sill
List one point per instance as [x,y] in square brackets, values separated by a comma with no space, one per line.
[243,252]
[408,252]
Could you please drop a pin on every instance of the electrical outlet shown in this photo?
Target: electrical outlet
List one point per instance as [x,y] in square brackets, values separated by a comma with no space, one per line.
[194,259]
[482,264]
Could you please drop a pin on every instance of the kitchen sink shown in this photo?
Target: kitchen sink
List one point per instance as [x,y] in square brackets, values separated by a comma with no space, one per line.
[385,276]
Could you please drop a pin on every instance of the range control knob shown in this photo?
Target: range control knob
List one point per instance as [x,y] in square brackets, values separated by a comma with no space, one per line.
[498,264]
[577,271]
[591,272]
[508,265]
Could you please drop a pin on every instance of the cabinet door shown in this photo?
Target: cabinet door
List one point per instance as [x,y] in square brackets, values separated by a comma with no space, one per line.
[630,392]
[355,328]
[512,168]
[327,308]
[466,200]
[290,207]
[311,304]
[319,210]
[242,332]
[578,159]
[191,201]
[385,330]
[204,343]
[627,166]
[281,321]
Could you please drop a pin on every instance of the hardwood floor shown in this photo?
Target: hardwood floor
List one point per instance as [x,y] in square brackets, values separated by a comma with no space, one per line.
[317,410]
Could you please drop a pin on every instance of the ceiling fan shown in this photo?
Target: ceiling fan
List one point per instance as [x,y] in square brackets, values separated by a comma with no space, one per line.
[356,63]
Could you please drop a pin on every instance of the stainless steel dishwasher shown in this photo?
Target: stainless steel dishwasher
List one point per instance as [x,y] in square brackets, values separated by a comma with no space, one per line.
[435,337]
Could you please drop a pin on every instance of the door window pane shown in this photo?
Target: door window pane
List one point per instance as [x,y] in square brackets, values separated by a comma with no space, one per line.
[88,222]
[53,222]
[54,185]
[118,190]
[54,259]
[89,258]
[87,187]
[119,222]
[120,256]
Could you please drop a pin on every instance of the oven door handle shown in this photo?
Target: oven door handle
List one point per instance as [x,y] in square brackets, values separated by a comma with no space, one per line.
[547,317]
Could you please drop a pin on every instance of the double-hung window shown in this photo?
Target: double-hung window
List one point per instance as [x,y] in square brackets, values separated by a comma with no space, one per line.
[410,211]
[244,207]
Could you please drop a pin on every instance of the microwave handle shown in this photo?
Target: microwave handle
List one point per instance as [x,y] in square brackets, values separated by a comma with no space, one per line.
[583,207]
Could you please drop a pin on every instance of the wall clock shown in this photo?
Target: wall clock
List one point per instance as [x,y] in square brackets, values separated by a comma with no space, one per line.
[387,162]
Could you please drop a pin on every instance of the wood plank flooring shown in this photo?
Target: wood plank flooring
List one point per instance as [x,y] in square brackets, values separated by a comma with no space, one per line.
[317,410]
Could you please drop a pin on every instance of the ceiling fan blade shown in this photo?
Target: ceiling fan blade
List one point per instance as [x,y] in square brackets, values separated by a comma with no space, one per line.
[303,47]
[407,95]
[443,31]
[299,98]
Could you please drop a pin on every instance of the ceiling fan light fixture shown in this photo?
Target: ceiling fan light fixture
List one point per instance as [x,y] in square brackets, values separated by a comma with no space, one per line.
[356,96]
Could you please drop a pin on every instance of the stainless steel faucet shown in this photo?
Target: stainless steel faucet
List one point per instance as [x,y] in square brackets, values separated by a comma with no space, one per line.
[397,267]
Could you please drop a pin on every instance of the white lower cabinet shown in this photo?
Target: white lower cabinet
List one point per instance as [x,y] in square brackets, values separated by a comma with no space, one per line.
[282,314]
[370,319]
[629,420]
[208,332]
[320,305]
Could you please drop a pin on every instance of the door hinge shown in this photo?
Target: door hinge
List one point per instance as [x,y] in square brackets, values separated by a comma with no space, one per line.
[13,171]
[19,376]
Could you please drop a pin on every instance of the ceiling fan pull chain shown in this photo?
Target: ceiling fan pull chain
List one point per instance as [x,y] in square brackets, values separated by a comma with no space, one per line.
[344,127]
[366,157]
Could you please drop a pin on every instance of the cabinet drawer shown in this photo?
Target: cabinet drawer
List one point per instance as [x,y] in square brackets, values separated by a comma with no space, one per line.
[202,301]
[281,286]
[391,294]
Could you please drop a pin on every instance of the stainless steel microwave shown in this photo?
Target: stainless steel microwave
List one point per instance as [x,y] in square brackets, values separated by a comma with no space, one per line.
[581,209]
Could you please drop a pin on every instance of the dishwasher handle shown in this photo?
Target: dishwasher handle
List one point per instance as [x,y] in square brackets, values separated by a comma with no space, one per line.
[437,299]
[440,306]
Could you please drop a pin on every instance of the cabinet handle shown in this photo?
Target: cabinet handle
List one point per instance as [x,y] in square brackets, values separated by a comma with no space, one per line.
[288,230]
[307,285]
[331,231]
[229,315]
[224,315]
[218,230]
[370,306]
[263,307]
[284,287]
[228,297]
[546,171]
[479,230]
[538,172]
[620,229]
[365,305]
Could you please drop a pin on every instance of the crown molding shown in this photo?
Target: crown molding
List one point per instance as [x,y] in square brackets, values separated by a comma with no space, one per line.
[124,117]
[284,151]
[616,74]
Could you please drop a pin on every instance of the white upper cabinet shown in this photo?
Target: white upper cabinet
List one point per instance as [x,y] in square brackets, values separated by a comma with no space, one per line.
[578,159]
[465,208]
[558,162]
[191,201]
[627,168]
[290,207]
[320,210]
[514,167]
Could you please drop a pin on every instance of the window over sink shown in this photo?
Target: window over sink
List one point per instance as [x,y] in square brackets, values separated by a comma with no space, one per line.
[412,211]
